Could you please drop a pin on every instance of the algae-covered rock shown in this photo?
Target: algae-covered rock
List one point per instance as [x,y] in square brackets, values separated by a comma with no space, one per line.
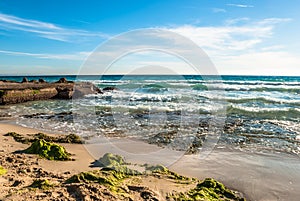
[43,184]
[106,177]
[18,137]
[156,168]
[208,190]
[111,160]
[117,163]
[29,138]
[48,150]
[2,171]
[162,170]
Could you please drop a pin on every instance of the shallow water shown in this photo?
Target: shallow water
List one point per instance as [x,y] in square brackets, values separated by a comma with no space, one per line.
[258,112]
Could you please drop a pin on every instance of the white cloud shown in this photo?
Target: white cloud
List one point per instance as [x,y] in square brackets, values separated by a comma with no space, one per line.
[240,5]
[241,48]
[76,56]
[44,29]
[260,63]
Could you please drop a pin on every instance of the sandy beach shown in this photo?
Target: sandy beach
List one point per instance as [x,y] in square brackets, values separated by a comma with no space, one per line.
[23,169]
[260,177]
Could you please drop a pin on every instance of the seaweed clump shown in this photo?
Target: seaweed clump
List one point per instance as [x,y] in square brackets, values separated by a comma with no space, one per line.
[48,150]
[105,177]
[117,163]
[209,190]
[159,170]
[2,171]
[71,138]
[113,171]
[43,184]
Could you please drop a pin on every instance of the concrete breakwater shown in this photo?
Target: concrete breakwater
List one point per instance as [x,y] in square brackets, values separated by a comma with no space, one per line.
[19,92]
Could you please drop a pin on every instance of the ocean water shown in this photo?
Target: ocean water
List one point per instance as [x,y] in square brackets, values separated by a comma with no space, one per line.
[252,113]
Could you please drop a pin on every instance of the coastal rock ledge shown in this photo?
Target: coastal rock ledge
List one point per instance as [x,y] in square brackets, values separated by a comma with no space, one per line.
[19,92]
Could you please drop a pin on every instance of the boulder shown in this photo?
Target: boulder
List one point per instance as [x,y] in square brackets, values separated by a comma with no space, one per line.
[42,80]
[24,79]
[62,80]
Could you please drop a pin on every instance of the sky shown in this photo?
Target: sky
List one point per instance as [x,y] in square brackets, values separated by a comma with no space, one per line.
[253,37]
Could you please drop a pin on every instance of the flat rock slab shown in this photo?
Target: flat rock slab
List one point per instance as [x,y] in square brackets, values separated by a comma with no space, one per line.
[16,92]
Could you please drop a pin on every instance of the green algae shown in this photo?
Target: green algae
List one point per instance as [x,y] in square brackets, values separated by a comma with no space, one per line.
[43,184]
[110,160]
[71,138]
[2,92]
[105,177]
[162,170]
[48,150]
[113,171]
[117,163]
[207,190]
[2,171]
[18,138]
[156,168]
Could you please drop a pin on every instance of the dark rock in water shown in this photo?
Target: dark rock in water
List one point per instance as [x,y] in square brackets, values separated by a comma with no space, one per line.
[109,88]
[84,88]
[62,80]
[24,80]
[64,92]
[42,80]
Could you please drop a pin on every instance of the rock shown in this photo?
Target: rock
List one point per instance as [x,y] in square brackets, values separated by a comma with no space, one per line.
[64,92]
[62,80]
[20,96]
[109,88]
[42,80]
[17,183]
[24,79]
[15,92]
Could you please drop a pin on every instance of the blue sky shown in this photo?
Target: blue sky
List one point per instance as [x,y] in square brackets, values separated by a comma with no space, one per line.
[258,37]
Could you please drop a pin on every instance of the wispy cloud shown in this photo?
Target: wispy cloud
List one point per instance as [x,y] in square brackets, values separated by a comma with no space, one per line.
[219,10]
[76,56]
[231,36]
[242,46]
[240,5]
[45,29]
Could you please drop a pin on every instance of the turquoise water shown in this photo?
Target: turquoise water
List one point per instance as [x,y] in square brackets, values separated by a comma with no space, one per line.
[258,113]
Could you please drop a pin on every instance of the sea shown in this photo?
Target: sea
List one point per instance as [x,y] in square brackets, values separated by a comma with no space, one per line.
[183,112]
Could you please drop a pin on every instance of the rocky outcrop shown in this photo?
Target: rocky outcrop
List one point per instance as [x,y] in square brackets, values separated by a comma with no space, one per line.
[16,92]
[24,95]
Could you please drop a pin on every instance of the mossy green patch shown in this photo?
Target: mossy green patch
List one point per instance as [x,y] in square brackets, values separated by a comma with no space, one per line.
[48,150]
[117,163]
[36,91]
[156,168]
[43,184]
[162,170]
[208,190]
[104,176]
[2,92]
[2,171]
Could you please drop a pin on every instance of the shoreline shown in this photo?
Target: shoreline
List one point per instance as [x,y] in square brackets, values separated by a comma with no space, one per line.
[258,176]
